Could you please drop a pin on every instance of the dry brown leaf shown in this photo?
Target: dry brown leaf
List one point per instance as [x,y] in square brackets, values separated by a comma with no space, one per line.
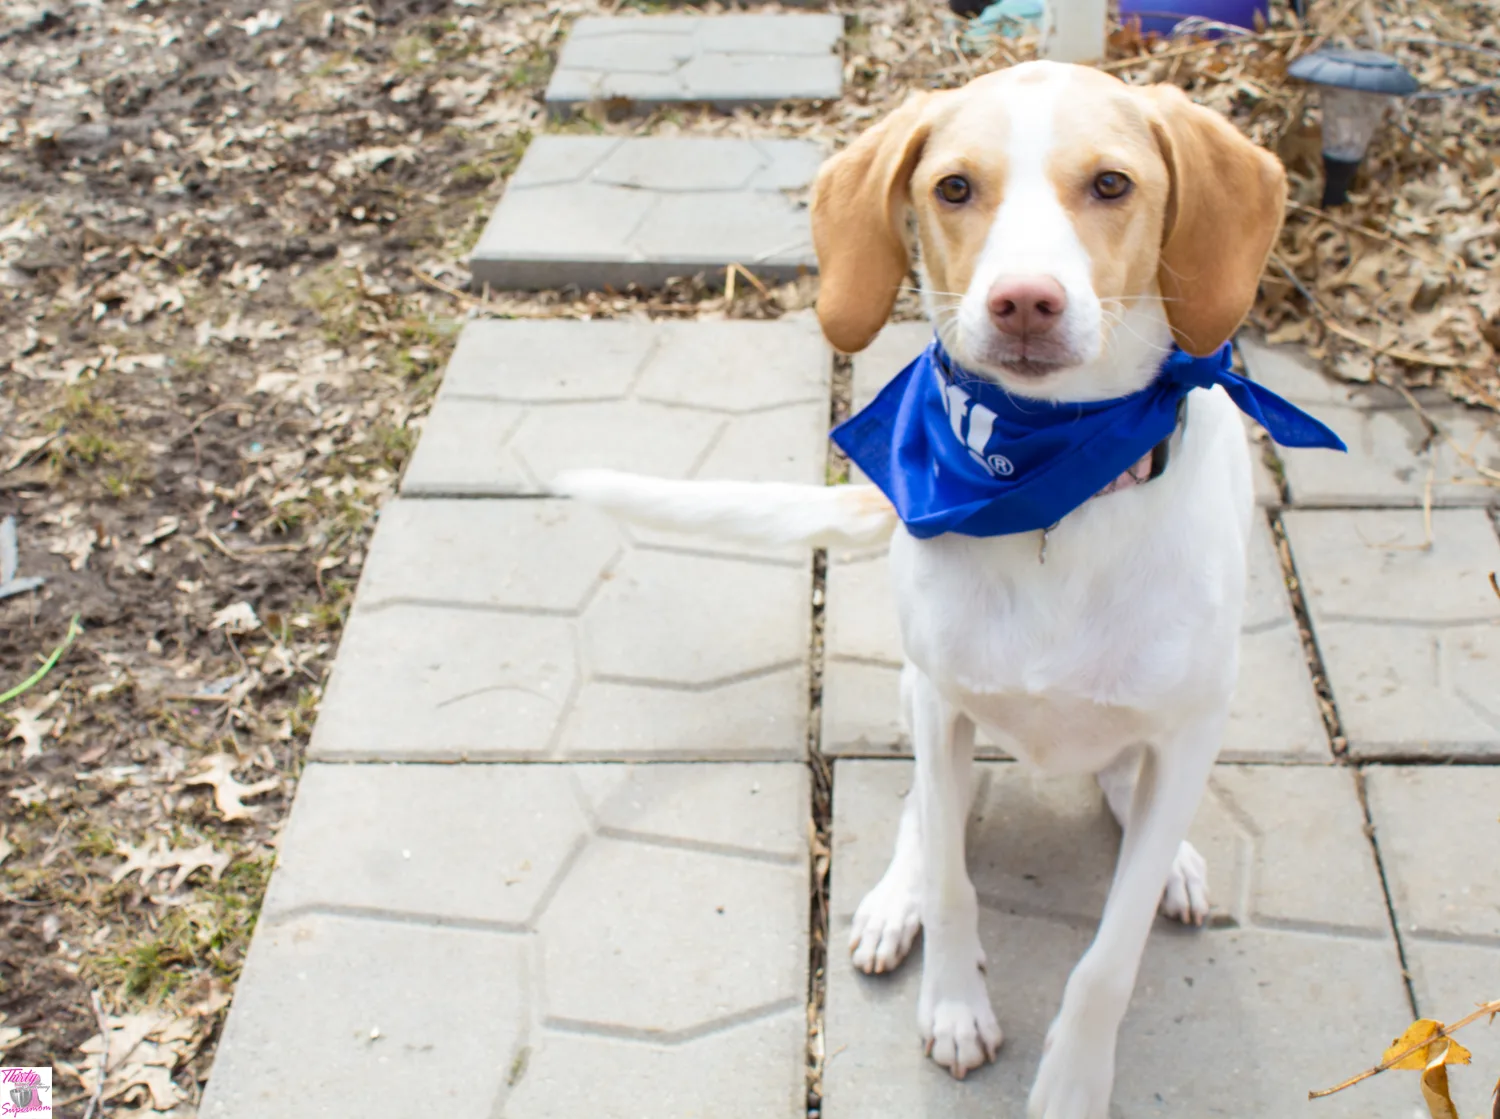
[228,792]
[238,617]
[31,728]
[77,546]
[144,1049]
[201,856]
[144,858]
[152,861]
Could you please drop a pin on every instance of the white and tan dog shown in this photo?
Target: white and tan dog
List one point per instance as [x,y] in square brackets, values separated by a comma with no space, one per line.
[1071,228]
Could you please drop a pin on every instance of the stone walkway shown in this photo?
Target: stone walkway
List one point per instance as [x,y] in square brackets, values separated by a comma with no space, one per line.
[550,857]
[727,61]
[605,211]
[582,937]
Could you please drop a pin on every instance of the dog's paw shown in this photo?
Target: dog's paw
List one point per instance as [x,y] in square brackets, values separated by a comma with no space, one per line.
[885,925]
[1076,1076]
[957,1023]
[1186,896]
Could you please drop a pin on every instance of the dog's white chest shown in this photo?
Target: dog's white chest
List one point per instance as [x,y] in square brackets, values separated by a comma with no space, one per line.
[1062,674]
[1129,625]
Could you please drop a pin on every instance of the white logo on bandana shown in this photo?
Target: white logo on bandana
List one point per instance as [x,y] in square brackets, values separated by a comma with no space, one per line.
[973,424]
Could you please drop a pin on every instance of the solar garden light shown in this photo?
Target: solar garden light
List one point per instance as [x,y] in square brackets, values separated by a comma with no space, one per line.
[1355,87]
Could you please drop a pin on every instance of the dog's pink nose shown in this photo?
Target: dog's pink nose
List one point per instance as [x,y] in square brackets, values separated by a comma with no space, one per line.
[1023,306]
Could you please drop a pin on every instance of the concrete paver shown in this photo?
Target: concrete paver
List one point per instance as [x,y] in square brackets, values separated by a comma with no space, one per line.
[1221,1018]
[1436,897]
[1409,634]
[1393,459]
[1436,829]
[522,401]
[1288,370]
[606,211]
[1275,713]
[728,61]
[495,939]
[539,629]
[340,1016]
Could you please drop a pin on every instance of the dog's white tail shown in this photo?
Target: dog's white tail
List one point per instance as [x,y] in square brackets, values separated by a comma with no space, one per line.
[754,512]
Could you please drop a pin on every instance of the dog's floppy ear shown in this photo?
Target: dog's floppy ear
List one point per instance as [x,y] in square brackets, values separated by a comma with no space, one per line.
[859,204]
[1223,217]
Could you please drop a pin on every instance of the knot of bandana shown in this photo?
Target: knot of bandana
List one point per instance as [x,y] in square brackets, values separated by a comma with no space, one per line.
[957,453]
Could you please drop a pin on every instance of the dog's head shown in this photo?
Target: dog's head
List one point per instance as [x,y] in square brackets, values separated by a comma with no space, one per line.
[1071,227]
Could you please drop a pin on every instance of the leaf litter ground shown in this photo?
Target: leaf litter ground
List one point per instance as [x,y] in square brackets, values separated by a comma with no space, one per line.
[230,246]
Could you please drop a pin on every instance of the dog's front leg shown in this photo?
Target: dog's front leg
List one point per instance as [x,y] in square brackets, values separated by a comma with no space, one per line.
[1186,897]
[1078,1062]
[953,1011]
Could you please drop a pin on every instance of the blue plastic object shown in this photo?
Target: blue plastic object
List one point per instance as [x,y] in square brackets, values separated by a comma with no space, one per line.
[1161,16]
[1005,18]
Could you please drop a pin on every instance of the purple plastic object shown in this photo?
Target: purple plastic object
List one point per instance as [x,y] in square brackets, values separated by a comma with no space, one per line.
[1160,16]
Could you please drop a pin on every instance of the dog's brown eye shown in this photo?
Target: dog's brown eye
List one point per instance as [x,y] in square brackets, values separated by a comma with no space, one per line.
[953,189]
[1110,185]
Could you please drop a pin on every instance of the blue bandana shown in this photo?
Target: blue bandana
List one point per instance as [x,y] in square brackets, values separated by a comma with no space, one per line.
[957,453]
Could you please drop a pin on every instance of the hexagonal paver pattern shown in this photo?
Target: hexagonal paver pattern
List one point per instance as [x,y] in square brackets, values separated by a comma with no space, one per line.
[896,345]
[1447,905]
[1408,629]
[537,629]
[1393,459]
[615,966]
[625,935]
[523,401]
[753,1069]
[1221,1017]
[1274,717]
[606,211]
[728,61]
[479,844]
[370,1018]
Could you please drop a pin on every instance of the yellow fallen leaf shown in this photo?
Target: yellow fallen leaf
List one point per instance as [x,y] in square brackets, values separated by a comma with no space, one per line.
[1435,1090]
[1433,1058]
[1424,1030]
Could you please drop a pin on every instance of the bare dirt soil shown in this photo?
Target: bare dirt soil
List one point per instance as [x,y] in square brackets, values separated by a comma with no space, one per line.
[231,237]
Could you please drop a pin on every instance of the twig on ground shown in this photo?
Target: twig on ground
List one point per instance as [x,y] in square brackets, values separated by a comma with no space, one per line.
[99,1016]
[1195,48]
[1333,25]
[446,289]
[196,424]
[739,269]
[241,554]
[74,629]
[1490,1008]
[23,456]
